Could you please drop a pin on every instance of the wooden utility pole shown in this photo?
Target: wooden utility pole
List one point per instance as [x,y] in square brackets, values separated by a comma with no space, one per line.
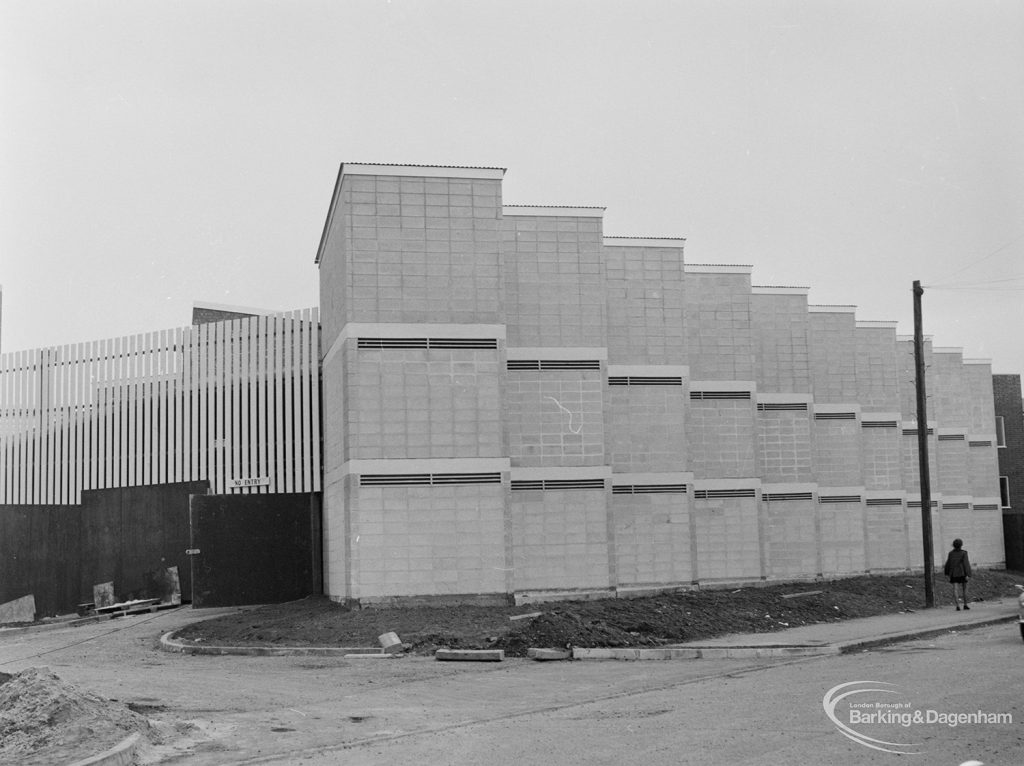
[922,450]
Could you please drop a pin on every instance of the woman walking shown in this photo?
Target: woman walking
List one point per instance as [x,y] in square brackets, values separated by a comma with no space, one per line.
[958,570]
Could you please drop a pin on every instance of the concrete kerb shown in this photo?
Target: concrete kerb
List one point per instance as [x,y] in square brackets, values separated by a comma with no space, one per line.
[673,652]
[168,643]
[847,647]
[121,754]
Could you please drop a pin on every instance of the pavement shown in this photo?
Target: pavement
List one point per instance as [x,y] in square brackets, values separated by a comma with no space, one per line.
[839,637]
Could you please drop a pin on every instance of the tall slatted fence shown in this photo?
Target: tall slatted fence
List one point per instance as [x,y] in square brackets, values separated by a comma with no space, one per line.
[235,403]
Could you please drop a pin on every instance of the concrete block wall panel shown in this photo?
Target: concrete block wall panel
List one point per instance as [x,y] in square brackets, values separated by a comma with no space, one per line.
[886,532]
[727,532]
[721,434]
[785,443]
[881,441]
[910,461]
[554,278]
[646,423]
[949,396]
[877,366]
[560,540]
[335,429]
[843,545]
[428,540]
[717,322]
[779,331]
[837,445]
[645,300]
[555,417]
[832,347]
[940,545]
[952,462]
[338,496]
[652,538]
[986,538]
[983,469]
[980,381]
[908,375]
[419,403]
[791,533]
[420,248]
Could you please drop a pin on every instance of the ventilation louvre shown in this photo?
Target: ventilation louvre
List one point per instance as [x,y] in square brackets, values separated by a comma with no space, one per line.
[917,504]
[951,437]
[986,507]
[913,431]
[514,365]
[980,443]
[446,343]
[712,494]
[643,380]
[552,484]
[427,479]
[776,497]
[835,415]
[956,506]
[719,395]
[878,424]
[883,501]
[839,498]
[782,407]
[649,489]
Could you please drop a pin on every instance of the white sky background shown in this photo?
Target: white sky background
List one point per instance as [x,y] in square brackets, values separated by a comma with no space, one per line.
[157,153]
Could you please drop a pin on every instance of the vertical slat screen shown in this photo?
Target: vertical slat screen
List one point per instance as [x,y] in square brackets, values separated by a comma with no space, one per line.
[232,402]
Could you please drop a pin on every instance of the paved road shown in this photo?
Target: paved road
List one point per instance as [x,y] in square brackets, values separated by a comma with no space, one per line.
[285,710]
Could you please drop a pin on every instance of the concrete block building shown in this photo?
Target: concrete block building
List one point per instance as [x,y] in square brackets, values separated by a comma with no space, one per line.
[515,403]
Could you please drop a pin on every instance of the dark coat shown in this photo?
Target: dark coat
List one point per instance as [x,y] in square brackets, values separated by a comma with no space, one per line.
[957,564]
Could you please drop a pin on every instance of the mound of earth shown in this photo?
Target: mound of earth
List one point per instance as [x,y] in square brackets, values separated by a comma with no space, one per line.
[647,621]
[45,721]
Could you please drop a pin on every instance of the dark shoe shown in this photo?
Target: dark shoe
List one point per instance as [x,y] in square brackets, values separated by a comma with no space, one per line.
[958,608]
[966,607]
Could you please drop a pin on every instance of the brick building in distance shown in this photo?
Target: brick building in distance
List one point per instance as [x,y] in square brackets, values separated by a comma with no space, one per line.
[1010,441]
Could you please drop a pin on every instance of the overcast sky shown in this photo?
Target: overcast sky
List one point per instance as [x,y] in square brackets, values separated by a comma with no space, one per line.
[156,153]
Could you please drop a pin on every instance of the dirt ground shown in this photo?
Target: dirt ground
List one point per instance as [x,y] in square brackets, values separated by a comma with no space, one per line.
[648,621]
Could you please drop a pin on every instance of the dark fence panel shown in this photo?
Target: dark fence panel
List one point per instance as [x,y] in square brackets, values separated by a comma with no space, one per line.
[58,552]
[254,549]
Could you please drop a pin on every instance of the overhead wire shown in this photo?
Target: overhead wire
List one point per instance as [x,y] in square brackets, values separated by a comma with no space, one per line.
[975,262]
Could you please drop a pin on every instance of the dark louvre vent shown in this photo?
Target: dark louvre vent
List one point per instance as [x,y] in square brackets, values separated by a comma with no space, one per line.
[469,343]
[649,489]
[483,343]
[427,479]
[980,443]
[549,484]
[883,501]
[776,497]
[711,494]
[553,364]
[835,415]
[392,343]
[917,504]
[951,437]
[715,395]
[986,507]
[636,380]
[782,407]
[913,431]
[466,478]
[956,506]
[878,424]
[839,498]
[405,479]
